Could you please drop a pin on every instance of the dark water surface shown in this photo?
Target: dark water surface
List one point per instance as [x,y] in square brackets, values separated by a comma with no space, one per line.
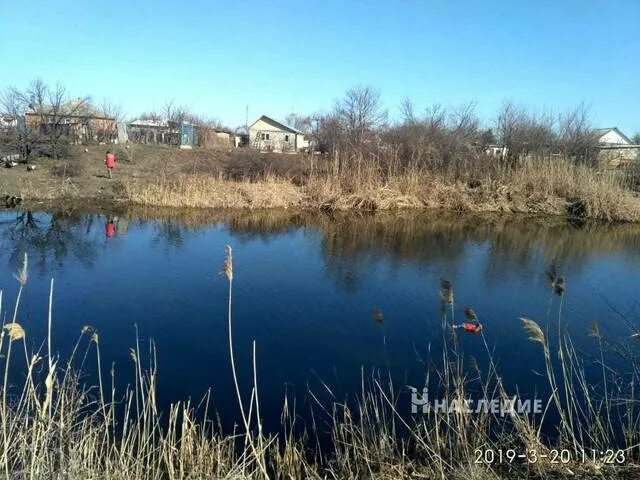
[305,286]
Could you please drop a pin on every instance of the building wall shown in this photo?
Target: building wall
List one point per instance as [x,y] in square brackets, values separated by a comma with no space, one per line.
[613,138]
[78,129]
[612,157]
[271,138]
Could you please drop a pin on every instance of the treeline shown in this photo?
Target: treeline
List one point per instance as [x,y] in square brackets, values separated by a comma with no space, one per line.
[356,128]
[440,137]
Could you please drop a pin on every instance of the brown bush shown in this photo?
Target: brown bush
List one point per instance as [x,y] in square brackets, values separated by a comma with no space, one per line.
[68,169]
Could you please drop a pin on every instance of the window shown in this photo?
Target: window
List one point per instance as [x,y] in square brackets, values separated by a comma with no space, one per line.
[262,136]
[286,138]
[267,136]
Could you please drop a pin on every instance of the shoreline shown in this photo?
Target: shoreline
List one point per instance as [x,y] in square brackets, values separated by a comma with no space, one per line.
[254,196]
[152,176]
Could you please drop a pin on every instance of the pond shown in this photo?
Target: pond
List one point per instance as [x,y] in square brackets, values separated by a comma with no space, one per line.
[328,299]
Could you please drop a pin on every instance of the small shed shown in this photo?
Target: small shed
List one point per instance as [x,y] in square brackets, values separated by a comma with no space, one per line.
[215,138]
[187,135]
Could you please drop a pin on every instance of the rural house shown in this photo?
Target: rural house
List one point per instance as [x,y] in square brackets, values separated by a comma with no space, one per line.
[611,136]
[78,128]
[615,149]
[267,134]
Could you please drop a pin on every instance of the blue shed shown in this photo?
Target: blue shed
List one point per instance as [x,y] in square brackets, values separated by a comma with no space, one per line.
[187,134]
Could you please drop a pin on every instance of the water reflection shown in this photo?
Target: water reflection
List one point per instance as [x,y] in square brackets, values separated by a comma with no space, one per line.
[110,227]
[350,243]
[48,238]
[322,295]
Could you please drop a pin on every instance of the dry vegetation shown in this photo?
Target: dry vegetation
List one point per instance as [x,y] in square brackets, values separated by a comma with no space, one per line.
[554,187]
[54,424]
[436,159]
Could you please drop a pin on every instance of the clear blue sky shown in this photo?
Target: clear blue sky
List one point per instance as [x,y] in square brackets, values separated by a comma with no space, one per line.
[278,56]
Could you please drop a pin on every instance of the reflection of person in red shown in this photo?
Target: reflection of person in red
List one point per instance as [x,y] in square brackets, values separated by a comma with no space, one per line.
[110,228]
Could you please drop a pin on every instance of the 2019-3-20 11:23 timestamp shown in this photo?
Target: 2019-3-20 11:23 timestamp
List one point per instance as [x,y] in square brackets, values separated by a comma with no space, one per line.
[558,456]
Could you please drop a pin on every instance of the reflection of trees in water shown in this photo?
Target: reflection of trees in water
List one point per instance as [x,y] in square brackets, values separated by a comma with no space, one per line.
[48,238]
[353,244]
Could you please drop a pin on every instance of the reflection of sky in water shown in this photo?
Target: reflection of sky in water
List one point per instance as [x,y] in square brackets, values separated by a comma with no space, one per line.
[305,288]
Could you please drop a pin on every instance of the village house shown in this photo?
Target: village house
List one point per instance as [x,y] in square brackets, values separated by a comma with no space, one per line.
[615,149]
[267,134]
[611,136]
[78,128]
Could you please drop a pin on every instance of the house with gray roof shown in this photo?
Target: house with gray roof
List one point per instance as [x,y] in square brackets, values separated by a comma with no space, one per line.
[269,135]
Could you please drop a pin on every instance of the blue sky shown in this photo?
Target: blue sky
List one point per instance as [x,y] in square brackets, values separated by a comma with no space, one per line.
[280,56]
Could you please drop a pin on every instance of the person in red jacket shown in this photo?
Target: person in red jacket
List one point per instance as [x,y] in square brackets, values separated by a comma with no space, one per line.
[110,162]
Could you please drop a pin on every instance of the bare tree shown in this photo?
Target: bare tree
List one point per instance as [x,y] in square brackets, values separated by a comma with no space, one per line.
[299,122]
[56,119]
[50,112]
[15,137]
[525,133]
[325,132]
[576,135]
[111,110]
[360,115]
[174,113]
[407,112]
[636,139]
[151,115]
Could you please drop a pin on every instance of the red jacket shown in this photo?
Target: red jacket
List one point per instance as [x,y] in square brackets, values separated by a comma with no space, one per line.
[110,160]
[110,229]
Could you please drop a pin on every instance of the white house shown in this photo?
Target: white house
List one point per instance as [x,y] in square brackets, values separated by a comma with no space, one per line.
[7,121]
[612,136]
[267,134]
[615,149]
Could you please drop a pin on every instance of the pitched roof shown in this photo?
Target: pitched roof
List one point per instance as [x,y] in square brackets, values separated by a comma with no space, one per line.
[277,124]
[600,132]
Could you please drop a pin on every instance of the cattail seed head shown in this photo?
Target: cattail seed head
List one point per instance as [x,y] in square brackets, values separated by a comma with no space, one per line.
[227,267]
[471,315]
[533,329]
[15,331]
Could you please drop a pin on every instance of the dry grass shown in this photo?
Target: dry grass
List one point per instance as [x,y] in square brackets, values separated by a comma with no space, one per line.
[62,427]
[159,176]
[203,191]
[552,187]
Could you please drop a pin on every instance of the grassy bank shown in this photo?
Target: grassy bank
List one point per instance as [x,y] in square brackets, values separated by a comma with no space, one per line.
[553,187]
[54,423]
[159,176]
